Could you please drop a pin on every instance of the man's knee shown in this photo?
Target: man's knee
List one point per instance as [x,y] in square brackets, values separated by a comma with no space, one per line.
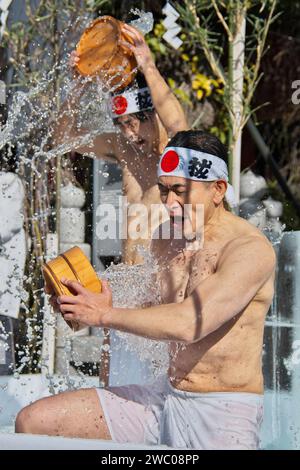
[29,420]
[22,422]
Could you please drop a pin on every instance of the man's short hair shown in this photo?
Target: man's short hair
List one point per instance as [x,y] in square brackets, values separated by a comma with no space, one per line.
[201,141]
[142,116]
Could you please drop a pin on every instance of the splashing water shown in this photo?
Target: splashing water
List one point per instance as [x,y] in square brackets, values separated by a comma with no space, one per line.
[29,129]
[275,236]
[32,114]
[29,134]
[136,286]
[31,111]
[32,132]
[145,21]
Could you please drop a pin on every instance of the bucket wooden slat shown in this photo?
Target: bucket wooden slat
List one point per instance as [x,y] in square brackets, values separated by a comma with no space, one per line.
[101,53]
[73,265]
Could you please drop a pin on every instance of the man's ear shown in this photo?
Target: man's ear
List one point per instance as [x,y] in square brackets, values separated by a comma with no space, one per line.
[220,187]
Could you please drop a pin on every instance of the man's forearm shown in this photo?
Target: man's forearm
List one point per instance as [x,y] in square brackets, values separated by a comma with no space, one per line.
[165,102]
[64,126]
[162,323]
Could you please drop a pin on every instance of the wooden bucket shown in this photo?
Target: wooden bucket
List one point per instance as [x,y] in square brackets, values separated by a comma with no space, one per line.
[100,53]
[73,265]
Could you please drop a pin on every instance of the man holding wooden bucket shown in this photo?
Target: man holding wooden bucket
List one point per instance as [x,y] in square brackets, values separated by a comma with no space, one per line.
[146,117]
[217,283]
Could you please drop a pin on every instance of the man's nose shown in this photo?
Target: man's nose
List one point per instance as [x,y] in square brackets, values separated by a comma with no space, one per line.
[170,200]
[129,133]
[172,203]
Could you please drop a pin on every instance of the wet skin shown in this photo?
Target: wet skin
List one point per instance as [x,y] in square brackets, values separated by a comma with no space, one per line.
[137,145]
[215,297]
[229,358]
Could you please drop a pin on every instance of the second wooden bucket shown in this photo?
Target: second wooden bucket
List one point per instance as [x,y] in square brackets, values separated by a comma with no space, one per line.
[100,53]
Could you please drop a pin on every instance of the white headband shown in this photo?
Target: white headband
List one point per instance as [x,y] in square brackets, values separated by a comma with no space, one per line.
[195,165]
[132,101]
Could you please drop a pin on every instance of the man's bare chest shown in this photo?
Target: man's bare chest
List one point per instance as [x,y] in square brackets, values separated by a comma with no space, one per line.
[180,275]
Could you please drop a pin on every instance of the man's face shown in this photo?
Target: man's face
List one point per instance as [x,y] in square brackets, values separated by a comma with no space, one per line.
[135,131]
[176,192]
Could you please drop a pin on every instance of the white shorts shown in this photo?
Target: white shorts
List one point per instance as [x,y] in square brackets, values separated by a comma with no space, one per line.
[159,414]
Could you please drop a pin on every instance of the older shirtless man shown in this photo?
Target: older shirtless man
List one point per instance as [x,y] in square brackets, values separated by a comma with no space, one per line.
[215,299]
[144,133]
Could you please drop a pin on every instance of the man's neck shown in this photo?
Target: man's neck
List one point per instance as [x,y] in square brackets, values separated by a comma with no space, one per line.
[216,221]
[211,229]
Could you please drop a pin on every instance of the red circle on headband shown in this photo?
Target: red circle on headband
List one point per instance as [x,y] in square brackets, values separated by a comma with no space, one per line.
[169,161]
[119,105]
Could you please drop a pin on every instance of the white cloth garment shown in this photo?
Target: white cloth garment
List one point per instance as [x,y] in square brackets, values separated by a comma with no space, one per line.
[158,413]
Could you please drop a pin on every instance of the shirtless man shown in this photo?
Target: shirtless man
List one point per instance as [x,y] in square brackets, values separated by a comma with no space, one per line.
[215,300]
[143,134]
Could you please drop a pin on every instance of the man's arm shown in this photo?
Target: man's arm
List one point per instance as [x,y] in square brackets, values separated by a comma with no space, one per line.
[66,133]
[245,266]
[165,102]
[243,269]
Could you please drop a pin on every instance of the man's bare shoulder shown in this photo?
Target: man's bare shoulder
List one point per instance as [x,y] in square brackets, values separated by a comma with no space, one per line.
[249,243]
[103,146]
[115,145]
[106,145]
